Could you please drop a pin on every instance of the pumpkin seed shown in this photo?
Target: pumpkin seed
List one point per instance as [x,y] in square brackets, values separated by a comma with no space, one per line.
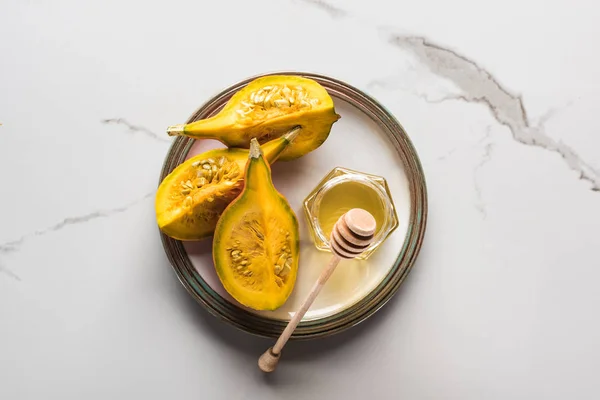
[268,97]
[285,271]
[282,259]
[200,182]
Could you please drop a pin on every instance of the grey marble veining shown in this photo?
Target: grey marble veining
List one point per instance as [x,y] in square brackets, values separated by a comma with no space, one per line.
[481,87]
[333,11]
[485,158]
[136,128]
[13,246]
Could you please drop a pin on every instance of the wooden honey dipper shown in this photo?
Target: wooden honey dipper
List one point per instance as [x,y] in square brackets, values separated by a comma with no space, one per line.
[351,235]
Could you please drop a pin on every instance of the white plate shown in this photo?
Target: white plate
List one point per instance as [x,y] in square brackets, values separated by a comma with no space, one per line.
[366,139]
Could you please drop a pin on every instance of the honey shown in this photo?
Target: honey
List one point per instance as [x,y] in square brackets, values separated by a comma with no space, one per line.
[345,196]
[341,190]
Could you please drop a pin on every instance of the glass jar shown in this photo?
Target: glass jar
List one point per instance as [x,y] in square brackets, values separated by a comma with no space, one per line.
[341,190]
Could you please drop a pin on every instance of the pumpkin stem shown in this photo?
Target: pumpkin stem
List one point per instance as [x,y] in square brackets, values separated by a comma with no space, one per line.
[273,149]
[255,151]
[291,135]
[175,130]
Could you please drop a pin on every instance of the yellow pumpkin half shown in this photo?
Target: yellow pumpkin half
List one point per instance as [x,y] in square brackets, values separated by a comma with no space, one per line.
[190,200]
[256,241]
[267,108]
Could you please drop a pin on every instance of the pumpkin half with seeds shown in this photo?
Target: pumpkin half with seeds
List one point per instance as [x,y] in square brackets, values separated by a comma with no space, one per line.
[190,200]
[256,241]
[267,108]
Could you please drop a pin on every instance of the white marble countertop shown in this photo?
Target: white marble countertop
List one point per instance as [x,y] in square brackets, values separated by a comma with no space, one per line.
[500,99]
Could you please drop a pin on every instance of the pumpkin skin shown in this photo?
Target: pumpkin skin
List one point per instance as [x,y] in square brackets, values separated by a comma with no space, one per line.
[190,200]
[267,108]
[256,241]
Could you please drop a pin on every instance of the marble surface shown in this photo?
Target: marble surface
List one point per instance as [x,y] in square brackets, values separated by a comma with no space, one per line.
[500,100]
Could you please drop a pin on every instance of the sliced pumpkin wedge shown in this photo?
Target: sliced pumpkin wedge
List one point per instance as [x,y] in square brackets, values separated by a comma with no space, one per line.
[267,108]
[256,241]
[190,200]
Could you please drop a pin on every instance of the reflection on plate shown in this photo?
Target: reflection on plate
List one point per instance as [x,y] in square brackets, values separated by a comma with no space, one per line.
[368,139]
